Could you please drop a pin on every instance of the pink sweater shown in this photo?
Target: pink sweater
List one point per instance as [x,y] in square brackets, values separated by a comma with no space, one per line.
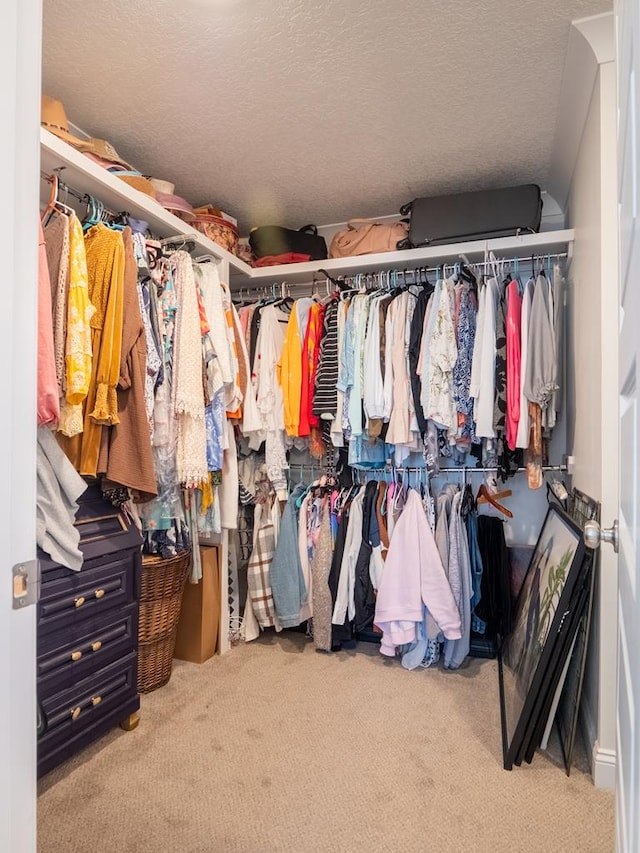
[413,575]
[514,311]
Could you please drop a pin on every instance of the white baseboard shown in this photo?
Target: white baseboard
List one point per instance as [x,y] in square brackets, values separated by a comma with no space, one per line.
[603,767]
[603,761]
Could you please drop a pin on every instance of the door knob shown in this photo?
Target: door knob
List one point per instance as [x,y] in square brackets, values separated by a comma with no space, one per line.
[594,534]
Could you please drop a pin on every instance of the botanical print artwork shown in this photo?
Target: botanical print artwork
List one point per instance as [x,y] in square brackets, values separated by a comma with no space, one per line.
[537,619]
[539,598]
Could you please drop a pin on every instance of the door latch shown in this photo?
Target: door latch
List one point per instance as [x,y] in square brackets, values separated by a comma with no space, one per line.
[26,583]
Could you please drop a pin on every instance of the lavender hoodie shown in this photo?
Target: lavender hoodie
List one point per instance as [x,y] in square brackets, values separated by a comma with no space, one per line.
[413,575]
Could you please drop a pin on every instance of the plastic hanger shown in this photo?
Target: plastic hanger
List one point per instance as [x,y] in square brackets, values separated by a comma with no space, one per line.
[468,503]
[92,216]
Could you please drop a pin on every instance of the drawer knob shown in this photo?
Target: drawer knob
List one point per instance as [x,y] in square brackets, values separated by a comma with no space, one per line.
[99,593]
[75,713]
[95,646]
[96,700]
[76,655]
[80,601]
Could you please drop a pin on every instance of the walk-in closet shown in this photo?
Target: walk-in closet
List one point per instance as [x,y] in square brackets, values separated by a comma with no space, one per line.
[322,408]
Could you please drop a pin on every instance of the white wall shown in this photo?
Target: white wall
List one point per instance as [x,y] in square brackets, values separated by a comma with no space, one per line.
[592,370]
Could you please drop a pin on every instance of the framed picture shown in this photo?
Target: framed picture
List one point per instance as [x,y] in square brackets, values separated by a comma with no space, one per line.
[553,674]
[543,607]
[582,508]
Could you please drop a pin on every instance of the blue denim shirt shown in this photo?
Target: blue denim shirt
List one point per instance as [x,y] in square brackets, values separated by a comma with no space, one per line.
[287,582]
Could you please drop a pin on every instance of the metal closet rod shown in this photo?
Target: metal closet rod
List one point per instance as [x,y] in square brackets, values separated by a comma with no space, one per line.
[543,256]
[61,185]
[260,289]
[179,241]
[85,198]
[459,469]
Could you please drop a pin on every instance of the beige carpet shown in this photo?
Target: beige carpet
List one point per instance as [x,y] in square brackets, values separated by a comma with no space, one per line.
[275,747]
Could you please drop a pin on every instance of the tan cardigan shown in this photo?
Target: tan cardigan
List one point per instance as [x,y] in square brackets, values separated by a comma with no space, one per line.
[126,457]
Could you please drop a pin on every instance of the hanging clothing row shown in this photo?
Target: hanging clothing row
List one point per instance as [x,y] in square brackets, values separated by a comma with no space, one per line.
[411,369]
[424,573]
[143,373]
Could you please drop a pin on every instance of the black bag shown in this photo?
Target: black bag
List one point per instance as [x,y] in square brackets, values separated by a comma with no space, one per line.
[274,240]
[473,216]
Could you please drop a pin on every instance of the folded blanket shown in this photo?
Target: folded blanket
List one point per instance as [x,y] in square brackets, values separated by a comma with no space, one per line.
[58,488]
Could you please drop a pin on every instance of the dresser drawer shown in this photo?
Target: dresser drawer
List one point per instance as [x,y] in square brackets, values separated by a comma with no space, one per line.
[115,685]
[70,711]
[90,592]
[70,654]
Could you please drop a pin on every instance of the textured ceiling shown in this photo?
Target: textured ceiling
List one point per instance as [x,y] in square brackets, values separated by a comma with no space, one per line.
[296,111]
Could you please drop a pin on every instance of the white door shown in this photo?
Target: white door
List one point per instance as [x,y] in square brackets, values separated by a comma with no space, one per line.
[628,733]
[20,47]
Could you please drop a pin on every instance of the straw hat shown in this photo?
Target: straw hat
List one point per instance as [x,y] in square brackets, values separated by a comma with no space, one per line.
[138,182]
[54,118]
[165,187]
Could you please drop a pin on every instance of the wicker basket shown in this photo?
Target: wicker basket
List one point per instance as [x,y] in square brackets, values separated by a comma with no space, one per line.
[218,229]
[162,584]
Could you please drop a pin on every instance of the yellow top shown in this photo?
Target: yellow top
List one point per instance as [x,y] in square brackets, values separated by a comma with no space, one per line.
[290,374]
[105,266]
[78,349]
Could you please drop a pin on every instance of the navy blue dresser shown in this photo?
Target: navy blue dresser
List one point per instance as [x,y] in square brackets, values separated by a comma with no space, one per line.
[87,635]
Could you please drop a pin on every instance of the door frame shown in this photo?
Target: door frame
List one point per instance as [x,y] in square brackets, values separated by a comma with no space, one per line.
[590,73]
[20,61]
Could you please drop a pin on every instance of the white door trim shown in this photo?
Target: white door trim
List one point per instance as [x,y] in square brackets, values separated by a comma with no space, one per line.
[20,56]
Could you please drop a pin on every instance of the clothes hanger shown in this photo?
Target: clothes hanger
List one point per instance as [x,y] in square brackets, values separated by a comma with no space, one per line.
[505,493]
[207,258]
[55,204]
[483,491]
[114,221]
[53,198]
[468,502]
[286,300]
[93,214]
[399,495]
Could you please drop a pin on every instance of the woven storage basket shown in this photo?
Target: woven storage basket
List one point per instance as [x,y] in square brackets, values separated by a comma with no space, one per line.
[220,230]
[162,584]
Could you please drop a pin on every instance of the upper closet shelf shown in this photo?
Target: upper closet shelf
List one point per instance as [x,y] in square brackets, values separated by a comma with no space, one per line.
[84,175]
[523,246]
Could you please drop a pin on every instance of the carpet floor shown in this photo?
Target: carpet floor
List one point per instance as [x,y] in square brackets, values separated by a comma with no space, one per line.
[275,747]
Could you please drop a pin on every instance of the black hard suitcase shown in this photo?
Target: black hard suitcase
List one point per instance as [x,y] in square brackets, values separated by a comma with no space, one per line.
[474,215]
[275,240]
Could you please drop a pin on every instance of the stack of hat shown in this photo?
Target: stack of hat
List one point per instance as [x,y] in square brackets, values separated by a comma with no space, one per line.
[177,205]
[54,119]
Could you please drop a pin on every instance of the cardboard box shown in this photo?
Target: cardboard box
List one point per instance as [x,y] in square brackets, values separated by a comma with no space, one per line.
[197,637]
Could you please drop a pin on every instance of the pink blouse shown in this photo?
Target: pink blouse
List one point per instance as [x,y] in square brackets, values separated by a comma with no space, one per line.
[48,400]
[514,311]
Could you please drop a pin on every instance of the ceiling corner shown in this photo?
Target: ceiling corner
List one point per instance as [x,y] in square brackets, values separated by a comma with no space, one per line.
[591,43]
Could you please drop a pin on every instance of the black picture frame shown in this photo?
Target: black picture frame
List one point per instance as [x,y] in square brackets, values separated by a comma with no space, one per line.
[564,643]
[543,607]
[582,508]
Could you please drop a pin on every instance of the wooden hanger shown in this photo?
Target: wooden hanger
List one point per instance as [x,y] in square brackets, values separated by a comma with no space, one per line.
[506,493]
[483,492]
